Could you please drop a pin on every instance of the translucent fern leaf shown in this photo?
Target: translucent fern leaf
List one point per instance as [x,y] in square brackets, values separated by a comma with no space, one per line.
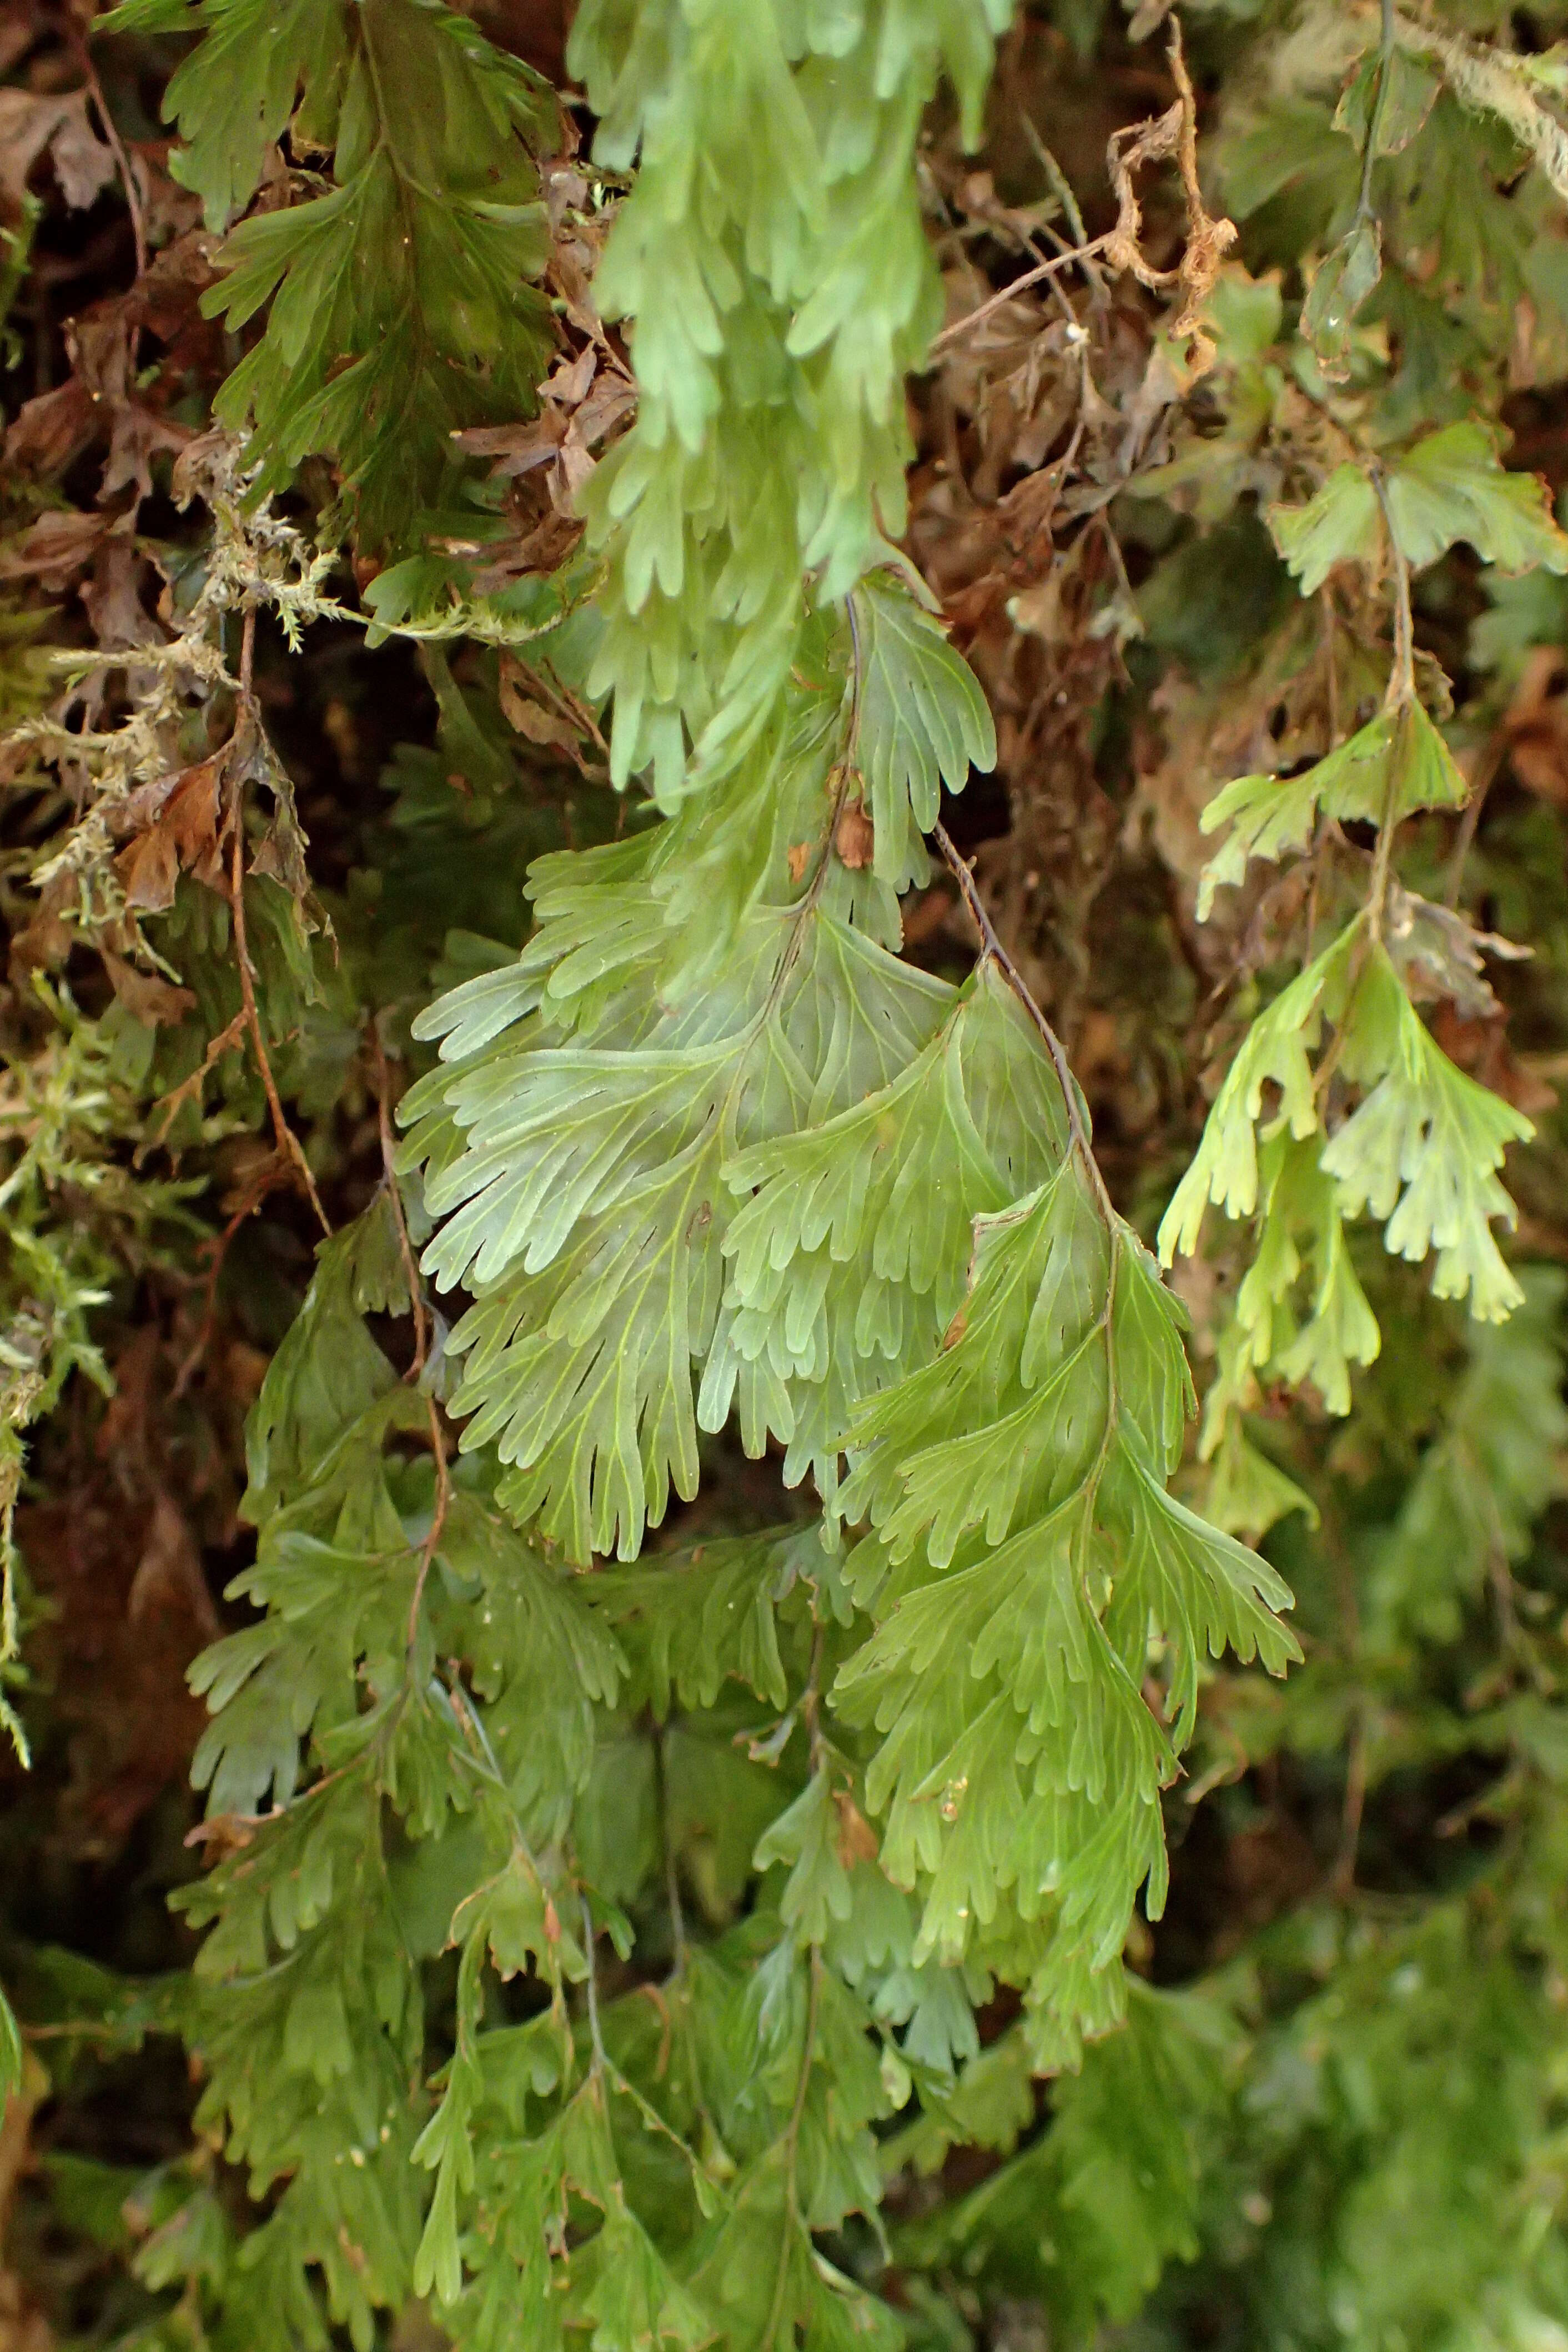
[848,1257]
[735,482]
[1276,1050]
[1452,486]
[234,93]
[1423,1150]
[1302,1233]
[1395,765]
[924,722]
[594,1212]
[1340,525]
[1023,1549]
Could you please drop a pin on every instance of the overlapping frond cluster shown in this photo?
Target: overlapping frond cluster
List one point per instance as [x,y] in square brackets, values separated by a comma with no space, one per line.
[707,1152]
[686,1129]
[309,2004]
[623,1923]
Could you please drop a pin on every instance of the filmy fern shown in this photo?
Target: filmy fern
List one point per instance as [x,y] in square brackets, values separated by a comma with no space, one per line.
[600,1912]
[1380,1121]
[708,1150]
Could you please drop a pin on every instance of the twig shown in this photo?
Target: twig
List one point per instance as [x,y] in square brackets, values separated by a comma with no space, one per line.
[272,1174]
[1401,677]
[1465,839]
[406,1247]
[169,1105]
[1400,699]
[1078,253]
[289,1145]
[1061,186]
[83,55]
[1326,607]
[1363,211]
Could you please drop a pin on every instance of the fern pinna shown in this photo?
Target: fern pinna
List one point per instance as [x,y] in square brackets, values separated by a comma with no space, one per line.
[708,1851]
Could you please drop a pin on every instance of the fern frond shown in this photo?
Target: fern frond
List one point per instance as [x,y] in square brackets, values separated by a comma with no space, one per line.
[1024,1551]
[400,310]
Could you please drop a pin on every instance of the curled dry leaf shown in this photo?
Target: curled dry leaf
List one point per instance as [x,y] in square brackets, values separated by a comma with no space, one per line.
[520,693]
[152,1000]
[32,124]
[858,1841]
[53,550]
[102,401]
[169,1572]
[181,832]
[1442,956]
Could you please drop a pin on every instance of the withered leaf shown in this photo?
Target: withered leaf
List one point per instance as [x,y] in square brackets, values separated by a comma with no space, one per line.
[151,999]
[52,550]
[32,121]
[182,833]
[531,717]
[857,1838]
[853,837]
[169,1573]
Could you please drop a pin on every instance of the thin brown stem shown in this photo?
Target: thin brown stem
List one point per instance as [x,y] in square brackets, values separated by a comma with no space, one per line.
[993,950]
[271,1175]
[1400,699]
[166,1108]
[1465,839]
[1060,185]
[83,55]
[1078,253]
[1330,668]
[1363,211]
[1401,677]
[1382,859]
